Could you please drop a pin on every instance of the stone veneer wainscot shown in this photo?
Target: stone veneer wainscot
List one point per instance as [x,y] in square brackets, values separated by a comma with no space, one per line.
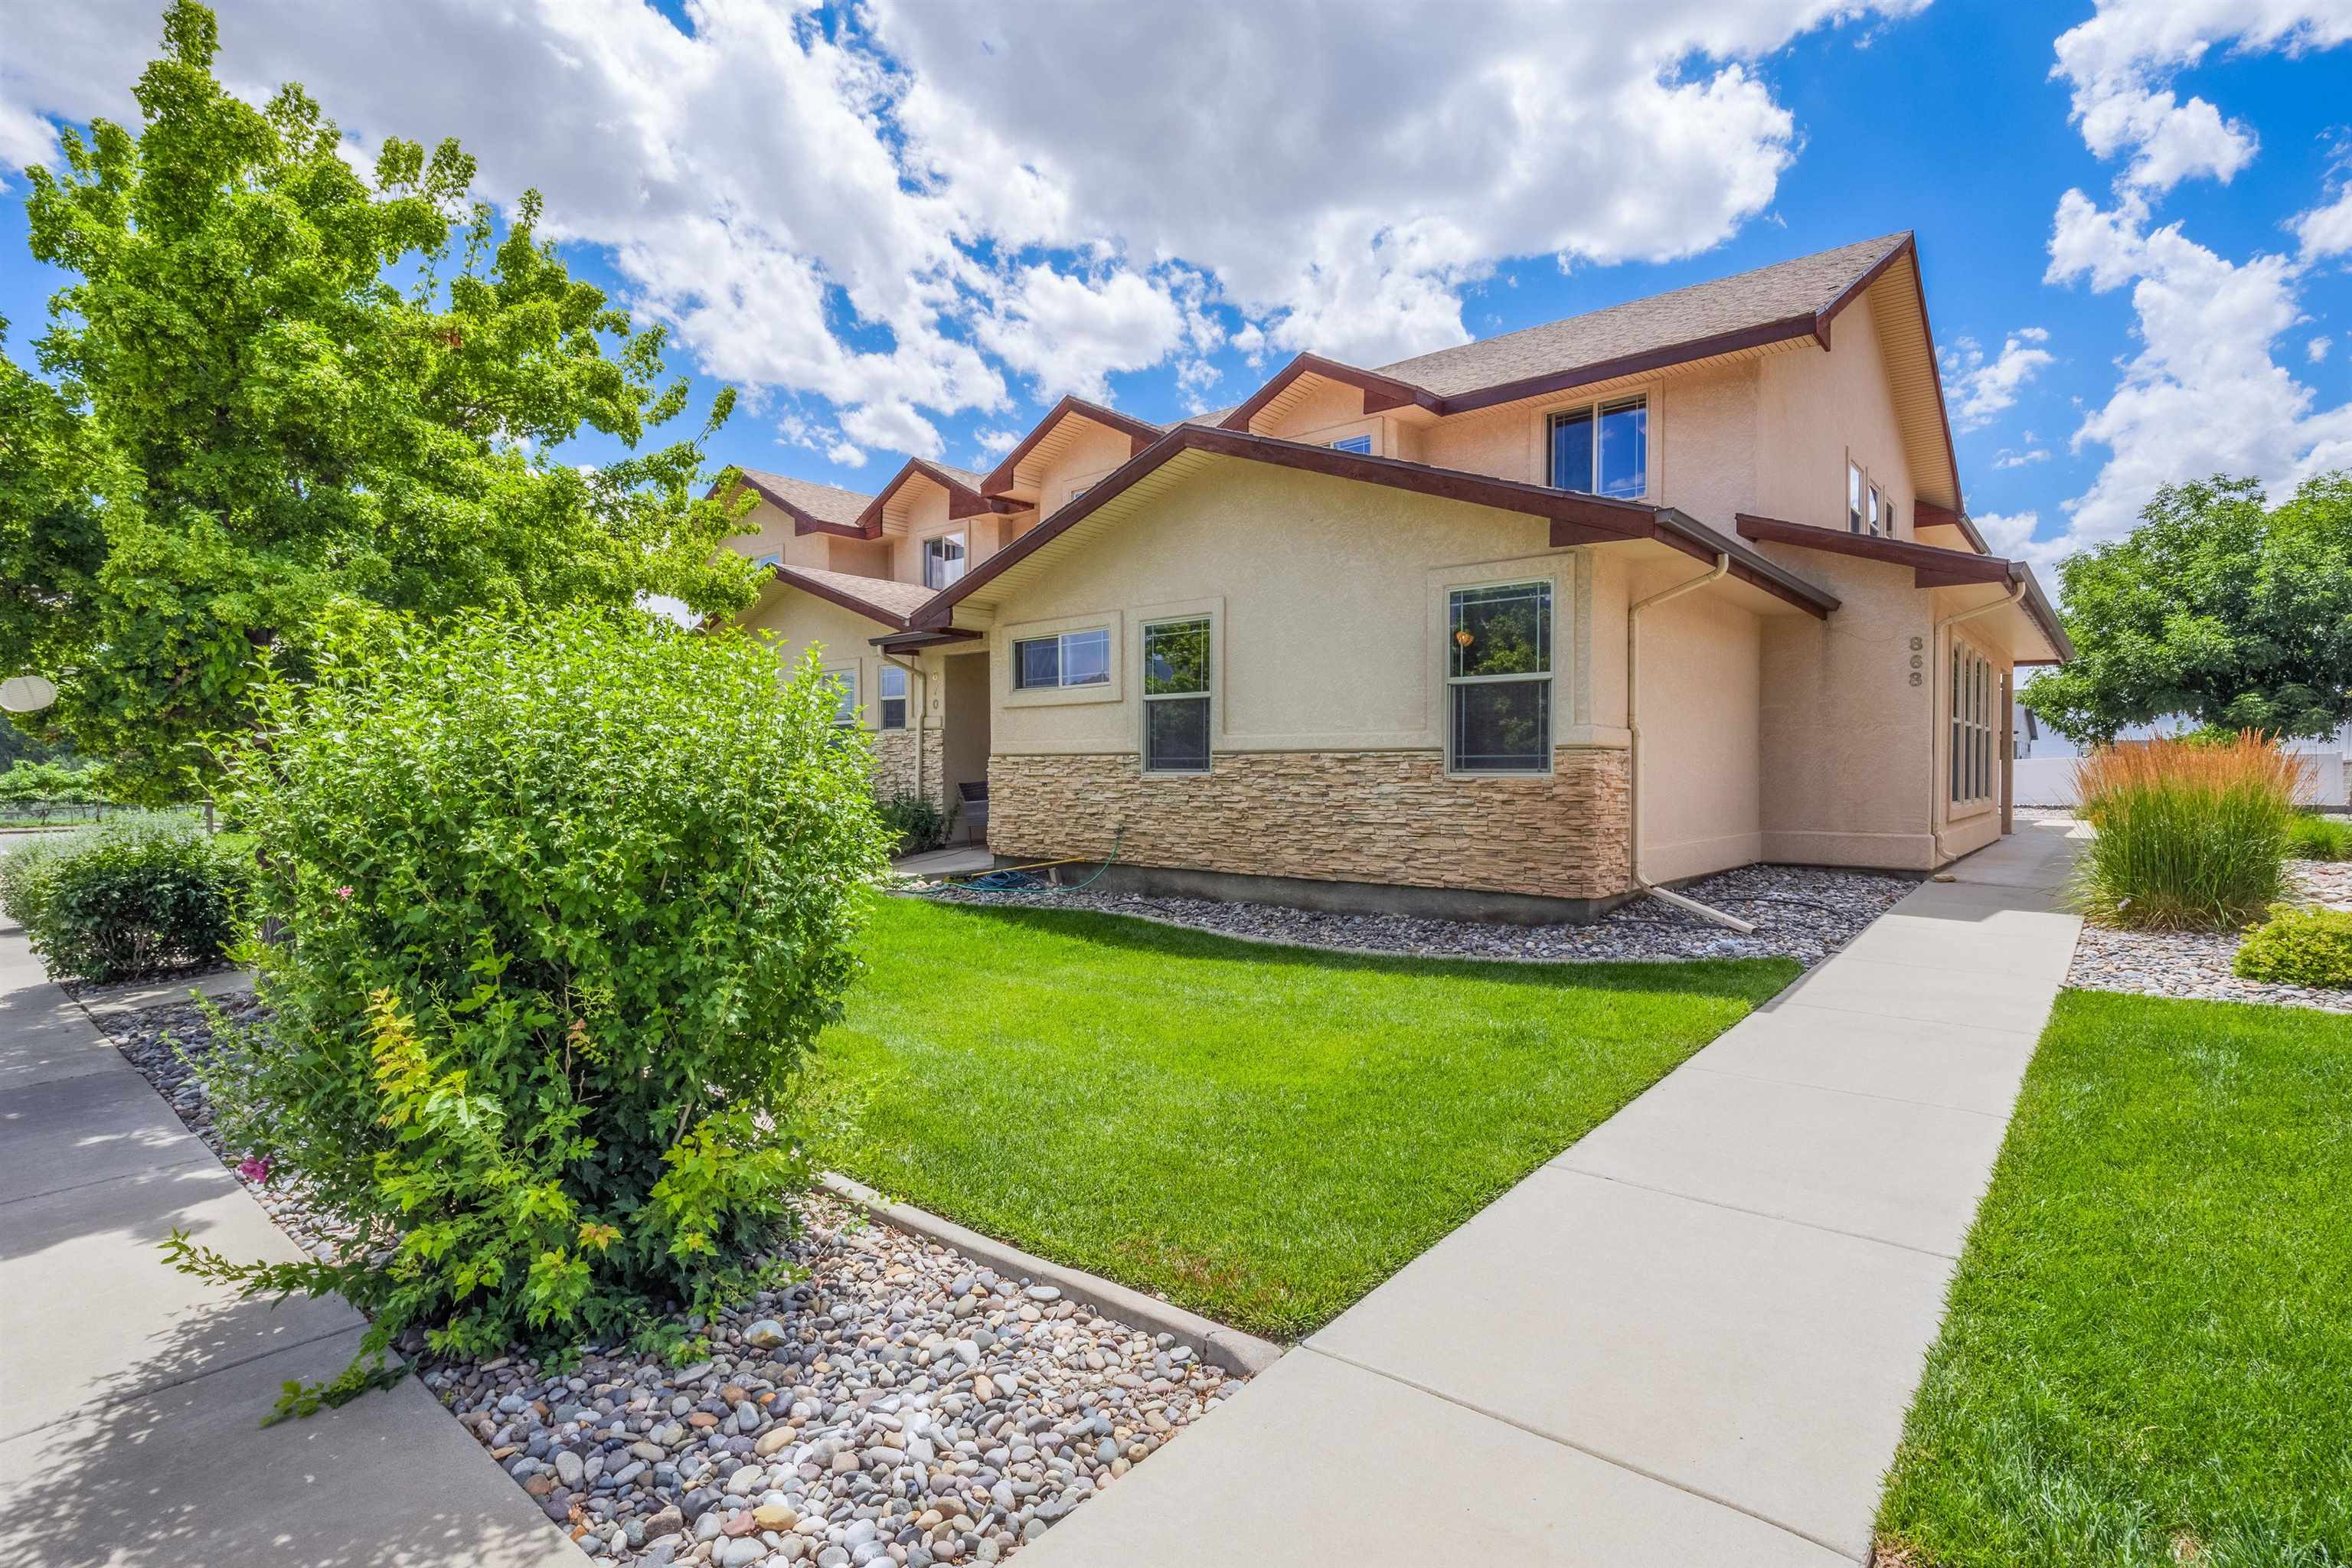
[893,764]
[1345,816]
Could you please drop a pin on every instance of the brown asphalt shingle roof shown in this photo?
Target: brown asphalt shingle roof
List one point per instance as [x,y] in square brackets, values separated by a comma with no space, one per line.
[898,599]
[1754,299]
[827,503]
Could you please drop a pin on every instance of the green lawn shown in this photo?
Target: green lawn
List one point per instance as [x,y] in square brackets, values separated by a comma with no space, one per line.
[2149,1347]
[1260,1134]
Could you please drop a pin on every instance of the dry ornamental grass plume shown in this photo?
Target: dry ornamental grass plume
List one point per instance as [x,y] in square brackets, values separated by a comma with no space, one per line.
[2193,833]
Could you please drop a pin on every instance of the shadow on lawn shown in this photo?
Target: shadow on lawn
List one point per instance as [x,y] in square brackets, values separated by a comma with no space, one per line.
[1731,977]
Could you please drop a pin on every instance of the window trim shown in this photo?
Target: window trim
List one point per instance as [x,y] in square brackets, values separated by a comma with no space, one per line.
[962,542]
[1360,444]
[882,698]
[1060,639]
[1208,694]
[845,673]
[1548,423]
[1549,678]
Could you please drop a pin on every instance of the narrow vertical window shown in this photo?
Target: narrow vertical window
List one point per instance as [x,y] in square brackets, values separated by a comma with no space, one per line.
[944,559]
[1877,523]
[894,698]
[1499,678]
[1853,499]
[1176,695]
[845,696]
[1975,692]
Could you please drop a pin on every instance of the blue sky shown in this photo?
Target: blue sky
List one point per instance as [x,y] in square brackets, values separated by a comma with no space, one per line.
[909,227]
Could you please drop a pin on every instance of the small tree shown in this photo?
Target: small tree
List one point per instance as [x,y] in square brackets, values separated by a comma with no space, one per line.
[2216,607]
[561,905]
[281,383]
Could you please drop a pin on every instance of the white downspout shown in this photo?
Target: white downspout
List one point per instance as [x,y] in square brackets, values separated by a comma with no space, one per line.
[1633,748]
[1936,804]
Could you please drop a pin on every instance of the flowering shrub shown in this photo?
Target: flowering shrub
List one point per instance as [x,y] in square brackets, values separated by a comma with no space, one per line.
[559,907]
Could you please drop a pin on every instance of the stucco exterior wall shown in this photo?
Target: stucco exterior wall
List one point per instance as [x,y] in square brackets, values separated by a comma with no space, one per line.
[1813,411]
[1701,771]
[1093,451]
[800,621]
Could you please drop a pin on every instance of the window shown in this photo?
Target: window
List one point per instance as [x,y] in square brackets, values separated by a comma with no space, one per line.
[1974,690]
[894,698]
[770,558]
[1360,445]
[1176,697]
[845,691]
[1499,678]
[1878,521]
[1853,499]
[1072,659]
[1603,450]
[1886,515]
[942,559]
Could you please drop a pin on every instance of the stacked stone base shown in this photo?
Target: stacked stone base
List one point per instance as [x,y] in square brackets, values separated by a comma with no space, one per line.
[1392,817]
[894,765]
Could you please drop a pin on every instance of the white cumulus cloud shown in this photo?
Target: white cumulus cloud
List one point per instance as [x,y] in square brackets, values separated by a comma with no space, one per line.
[1983,388]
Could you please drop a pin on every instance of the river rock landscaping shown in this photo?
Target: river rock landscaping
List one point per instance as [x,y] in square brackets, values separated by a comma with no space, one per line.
[895,1404]
[2195,965]
[1800,912]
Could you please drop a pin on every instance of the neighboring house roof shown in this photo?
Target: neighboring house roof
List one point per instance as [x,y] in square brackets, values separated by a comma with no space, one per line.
[964,496]
[1575,517]
[811,506]
[1932,566]
[877,598]
[1140,432]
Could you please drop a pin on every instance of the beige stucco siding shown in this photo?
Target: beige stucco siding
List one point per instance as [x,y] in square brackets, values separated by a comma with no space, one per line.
[1815,410]
[1092,451]
[1702,742]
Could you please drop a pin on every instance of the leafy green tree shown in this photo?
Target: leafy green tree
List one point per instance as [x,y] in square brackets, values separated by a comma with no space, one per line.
[50,544]
[301,386]
[2218,607]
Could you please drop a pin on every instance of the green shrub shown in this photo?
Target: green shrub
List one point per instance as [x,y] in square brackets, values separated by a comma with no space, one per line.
[562,905]
[2189,835]
[919,822]
[2319,839]
[2299,947]
[142,893]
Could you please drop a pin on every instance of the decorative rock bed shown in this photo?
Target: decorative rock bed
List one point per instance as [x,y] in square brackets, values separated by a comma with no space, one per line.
[2196,964]
[1800,912]
[898,1405]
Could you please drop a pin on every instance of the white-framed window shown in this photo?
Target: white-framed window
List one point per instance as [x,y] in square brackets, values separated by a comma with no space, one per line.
[1854,488]
[1877,520]
[770,559]
[1975,691]
[1886,516]
[844,694]
[1498,678]
[1602,449]
[1359,445]
[1065,659]
[894,697]
[944,559]
[1177,682]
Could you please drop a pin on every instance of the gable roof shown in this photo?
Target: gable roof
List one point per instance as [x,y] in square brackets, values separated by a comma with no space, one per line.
[877,598]
[1574,518]
[811,506]
[964,498]
[1139,433]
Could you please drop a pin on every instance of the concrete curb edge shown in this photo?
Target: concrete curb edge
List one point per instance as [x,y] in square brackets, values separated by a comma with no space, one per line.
[1214,1342]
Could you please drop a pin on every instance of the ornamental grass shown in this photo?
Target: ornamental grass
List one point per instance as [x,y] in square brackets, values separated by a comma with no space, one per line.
[2191,834]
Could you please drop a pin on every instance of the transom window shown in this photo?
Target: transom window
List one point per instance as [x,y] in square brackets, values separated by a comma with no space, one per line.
[1176,695]
[944,559]
[894,698]
[1974,685]
[1498,678]
[1604,449]
[1360,445]
[1070,658]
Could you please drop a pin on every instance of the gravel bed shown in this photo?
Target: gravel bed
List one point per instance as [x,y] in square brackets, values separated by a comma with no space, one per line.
[896,1403]
[2196,964]
[1830,909]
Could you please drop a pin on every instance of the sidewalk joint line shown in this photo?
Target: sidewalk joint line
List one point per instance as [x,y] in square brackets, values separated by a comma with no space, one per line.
[200,1157]
[1570,1442]
[1695,1066]
[1554,1165]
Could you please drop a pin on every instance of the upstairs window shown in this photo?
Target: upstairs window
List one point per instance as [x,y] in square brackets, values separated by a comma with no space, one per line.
[1877,518]
[944,559]
[1072,659]
[1603,450]
[1176,695]
[1359,445]
[1498,678]
[894,698]
[1854,487]
[770,558]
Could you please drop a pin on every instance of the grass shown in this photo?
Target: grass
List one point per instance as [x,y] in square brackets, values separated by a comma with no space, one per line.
[2192,835]
[2313,838]
[2148,1355]
[1259,1133]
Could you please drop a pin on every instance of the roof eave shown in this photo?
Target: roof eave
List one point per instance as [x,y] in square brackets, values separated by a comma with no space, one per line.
[825,591]
[1139,435]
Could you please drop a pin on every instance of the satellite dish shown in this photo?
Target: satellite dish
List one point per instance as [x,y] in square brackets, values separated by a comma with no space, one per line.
[26,693]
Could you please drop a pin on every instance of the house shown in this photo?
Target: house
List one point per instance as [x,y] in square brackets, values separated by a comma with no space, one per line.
[1510,630]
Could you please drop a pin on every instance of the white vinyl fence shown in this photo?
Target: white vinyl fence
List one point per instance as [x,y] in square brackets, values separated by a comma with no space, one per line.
[2049,781]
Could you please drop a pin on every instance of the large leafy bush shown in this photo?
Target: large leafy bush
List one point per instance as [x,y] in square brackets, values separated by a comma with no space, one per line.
[2190,834]
[142,893]
[561,905]
[2299,947]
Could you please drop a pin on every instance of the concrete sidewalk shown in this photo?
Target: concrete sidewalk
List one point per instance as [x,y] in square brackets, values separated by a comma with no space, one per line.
[131,1397]
[1692,1337]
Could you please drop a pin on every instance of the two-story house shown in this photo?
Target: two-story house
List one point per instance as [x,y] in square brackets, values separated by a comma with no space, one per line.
[1510,630]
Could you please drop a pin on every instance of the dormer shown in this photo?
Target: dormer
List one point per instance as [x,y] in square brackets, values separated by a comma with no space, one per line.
[1075,444]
